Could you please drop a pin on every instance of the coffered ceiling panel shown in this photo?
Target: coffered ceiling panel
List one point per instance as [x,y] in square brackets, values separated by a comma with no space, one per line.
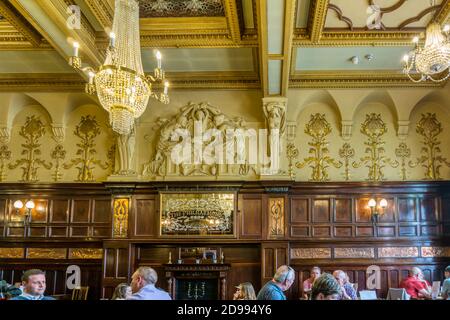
[395,13]
[302,13]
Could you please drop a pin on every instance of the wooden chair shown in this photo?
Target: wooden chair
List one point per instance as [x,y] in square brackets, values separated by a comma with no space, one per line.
[80,293]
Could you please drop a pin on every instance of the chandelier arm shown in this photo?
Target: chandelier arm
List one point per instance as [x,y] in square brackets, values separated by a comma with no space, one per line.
[422,78]
[440,80]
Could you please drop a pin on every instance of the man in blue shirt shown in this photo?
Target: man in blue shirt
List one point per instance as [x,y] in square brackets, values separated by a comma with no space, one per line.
[446,285]
[282,281]
[143,286]
[34,286]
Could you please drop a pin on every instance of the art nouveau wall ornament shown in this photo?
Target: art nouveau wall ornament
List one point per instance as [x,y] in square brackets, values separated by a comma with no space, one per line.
[58,154]
[276,217]
[201,141]
[120,217]
[374,128]
[403,152]
[429,128]
[346,152]
[5,155]
[87,130]
[197,214]
[292,154]
[33,130]
[318,128]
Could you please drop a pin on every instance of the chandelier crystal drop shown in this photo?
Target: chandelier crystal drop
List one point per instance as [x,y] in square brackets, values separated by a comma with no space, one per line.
[120,83]
[432,62]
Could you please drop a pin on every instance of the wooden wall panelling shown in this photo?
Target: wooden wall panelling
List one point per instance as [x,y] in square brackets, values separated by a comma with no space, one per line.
[116,265]
[251,211]
[299,217]
[144,220]
[273,255]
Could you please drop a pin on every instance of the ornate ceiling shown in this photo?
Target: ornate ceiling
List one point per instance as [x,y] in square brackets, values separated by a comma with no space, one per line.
[247,44]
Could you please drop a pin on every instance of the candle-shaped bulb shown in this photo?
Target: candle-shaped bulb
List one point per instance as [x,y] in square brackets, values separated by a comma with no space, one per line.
[406,58]
[447,28]
[76,46]
[112,38]
[166,87]
[158,58]
[372,203]
[91,77]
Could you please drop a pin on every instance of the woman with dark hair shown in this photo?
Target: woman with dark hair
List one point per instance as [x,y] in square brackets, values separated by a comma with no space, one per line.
[325,287]
[244,291]
[122,292]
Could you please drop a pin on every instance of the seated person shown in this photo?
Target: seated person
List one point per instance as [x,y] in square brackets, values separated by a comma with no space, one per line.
[282,281]
[244,291]
[347,290]
[325,287]
[122,292]
[415,285]
[34,286]
[308,283]
[143,286]
[446,284]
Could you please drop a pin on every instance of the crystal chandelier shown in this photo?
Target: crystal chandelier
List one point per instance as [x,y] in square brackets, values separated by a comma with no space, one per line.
[432,62]
[120,83]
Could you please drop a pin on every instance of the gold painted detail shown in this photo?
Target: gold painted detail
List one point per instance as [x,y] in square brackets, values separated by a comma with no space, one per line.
[292,154]
[87,130]
[374,128]
[435,252]
[5,154]
[398,252]
[429,128]
[318,128]
[276,218]
[32,131]
[112,158]
[46,253]
[311,253]
[85,253]
[12,253]
[121,211]
[346,152]
[197,214]
[58,154]
[177,8]
[365,253]
[403,152]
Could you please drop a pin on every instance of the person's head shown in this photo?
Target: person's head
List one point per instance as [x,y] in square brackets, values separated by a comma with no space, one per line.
[141,277]
[447,272]
[416,272]
[33,282]
[245,291]
[315,273]
[123,291]
[340,277]
[325,288]
[284,277]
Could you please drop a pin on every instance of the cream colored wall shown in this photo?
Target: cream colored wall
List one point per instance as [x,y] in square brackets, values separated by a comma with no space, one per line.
[339,106]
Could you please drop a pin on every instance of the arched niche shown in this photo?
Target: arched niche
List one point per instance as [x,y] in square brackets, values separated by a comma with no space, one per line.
[377,99]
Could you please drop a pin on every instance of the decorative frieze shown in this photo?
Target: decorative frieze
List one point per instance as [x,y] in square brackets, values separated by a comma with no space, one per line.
[398,252]
[435,252]
[12,253]
[47,253]
[85,253]
[364,253]
[311,253]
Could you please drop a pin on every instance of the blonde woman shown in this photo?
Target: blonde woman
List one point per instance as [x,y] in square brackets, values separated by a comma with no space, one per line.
[122,292]
[244,291]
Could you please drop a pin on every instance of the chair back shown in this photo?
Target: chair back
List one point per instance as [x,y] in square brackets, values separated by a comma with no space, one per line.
[80,293]
[397,294]
[368,295]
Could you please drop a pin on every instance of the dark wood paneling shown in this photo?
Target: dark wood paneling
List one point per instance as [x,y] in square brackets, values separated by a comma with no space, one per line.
[145,217]
[251,218]
[101,211]
[407,210]
[321,210]
[362,210]
[322,232]
[343,232]
[343,211]
[80,211]
[297,231]
[428,211]
[299,210]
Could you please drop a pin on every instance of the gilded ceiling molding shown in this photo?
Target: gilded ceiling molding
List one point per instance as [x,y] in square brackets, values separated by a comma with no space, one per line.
[33,130]
[316,19]
[443,15]
[340,15]
[87,130]
[374,129]
[429,128]
[102,12]
[318,128]
[193,41]
[21,24]
[187,8]
[41,82]
[233,20]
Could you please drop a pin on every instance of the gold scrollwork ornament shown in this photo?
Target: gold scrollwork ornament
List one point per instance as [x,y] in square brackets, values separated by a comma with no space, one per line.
[87,130]
[318,128]
[374,128]
[431,159]
[346,152]
[403,152]
[33,130]
[5,154]
[292,153]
